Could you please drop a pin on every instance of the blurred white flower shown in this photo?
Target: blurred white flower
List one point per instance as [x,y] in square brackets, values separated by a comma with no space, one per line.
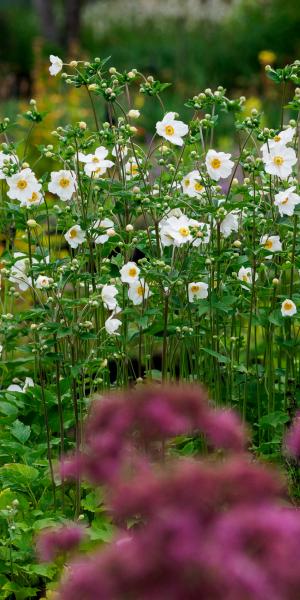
[112,325]
[191,184]
[108,295]
[271,243]
[120,151]
[279,161]
[138,291]
[245,274]
[19,271]
[171,129]
[96,164]
[42,282]
[23,389]
[281,139]
[131,169]
[229,224]
[22,185]
[75,236]
[35,199]
[288,308]
[133,114]
[107,225]
[63,184]
[286,201]
[197,290]
[56,64]
[218,164]
[129,272]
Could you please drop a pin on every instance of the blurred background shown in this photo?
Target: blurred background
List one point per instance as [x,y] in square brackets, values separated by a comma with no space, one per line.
[193,43]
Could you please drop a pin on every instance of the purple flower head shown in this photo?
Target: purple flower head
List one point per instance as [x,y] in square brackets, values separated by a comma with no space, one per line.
[53,542]
[293,438]
[224,430]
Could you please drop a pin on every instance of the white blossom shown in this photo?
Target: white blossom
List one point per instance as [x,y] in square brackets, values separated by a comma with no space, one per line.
[22,185]
[56,64]
[129,272]
[288,308]
[63,184]
[286,201]
[218,164]
[171,129]
[197,290]
[75,236]
[138,291]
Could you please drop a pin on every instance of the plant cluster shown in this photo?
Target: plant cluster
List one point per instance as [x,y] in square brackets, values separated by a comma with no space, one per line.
[127,262]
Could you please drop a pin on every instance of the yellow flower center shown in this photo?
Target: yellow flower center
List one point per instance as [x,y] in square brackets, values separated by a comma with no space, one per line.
[245,278]
[64,182]
[95,159]
[285,201]
[269,244]
[169,130]
[277,138]
[195,288]
[133,169]
[278,161]
[187,182]
[132,272]
[287,305]
[184,231]
[215,163]
[22,184]
[140,290]
[73,233]
[34,197]
[198,187]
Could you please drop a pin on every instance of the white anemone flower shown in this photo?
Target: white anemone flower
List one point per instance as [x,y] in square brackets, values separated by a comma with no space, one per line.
[23,389]
[112,325]
[245,274]
[229,224]
[108,295]
[171,129]
[63,184]
[119,151]
[75,236]
[129,272]
[218,164]
[42,282]
[138,291]
[22,185]
[286,201]
[35,199]
[131,169]
[271,243]
[279,161]
[281,139]
[56,64]
[197,290]
[107,225]
[288,308]
[176,231]
[192,186]
[19,271]
[96,164]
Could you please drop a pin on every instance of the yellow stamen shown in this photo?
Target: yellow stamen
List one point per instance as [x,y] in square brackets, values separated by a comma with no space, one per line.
[198,187]
[184,231]
[195,288]
[140,290]
[64,182]
[215,163]
[269,244]
[73,233]
[287,305]
[22,184]
[132,272]
[278,161]
[169,130]
[277,138]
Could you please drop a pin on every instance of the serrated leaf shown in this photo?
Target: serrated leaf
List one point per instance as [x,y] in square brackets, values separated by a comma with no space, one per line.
[20,431]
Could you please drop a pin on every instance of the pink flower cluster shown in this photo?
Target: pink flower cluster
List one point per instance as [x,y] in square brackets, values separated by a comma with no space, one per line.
[218,528]
[120,426]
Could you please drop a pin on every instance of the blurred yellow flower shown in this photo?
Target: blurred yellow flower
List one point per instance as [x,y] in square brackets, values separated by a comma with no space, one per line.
[253,102]
[266,57]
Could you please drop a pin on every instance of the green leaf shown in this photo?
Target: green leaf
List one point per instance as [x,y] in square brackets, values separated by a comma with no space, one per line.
[20,431]
[17,473]
[220,357]
[274,419]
